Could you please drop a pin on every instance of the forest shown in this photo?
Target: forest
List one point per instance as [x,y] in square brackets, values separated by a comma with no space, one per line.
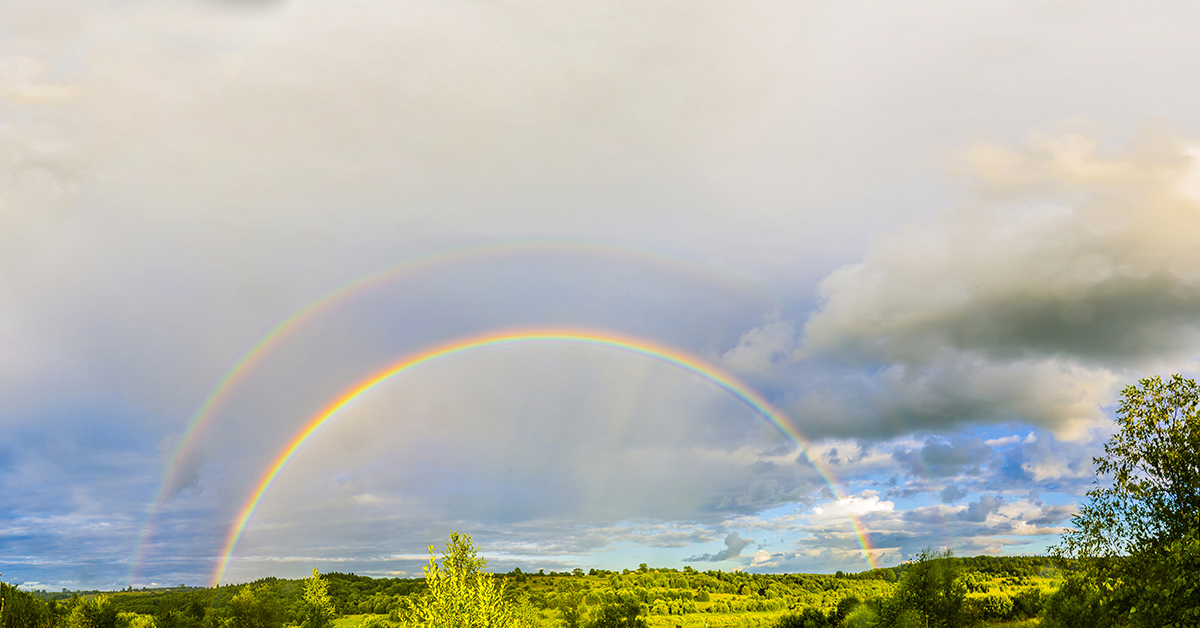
[1130,559]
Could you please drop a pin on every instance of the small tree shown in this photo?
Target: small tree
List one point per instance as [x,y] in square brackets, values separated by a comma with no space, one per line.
[255,607]
[316,607]
[621,613]
[929,595]
[460,595]
[1139,538]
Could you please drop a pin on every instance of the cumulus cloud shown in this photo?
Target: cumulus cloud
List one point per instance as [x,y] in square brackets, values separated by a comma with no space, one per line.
[734,544]
[1070,266]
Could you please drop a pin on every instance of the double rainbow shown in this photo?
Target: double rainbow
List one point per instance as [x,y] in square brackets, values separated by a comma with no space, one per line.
[606,340]
[468,253]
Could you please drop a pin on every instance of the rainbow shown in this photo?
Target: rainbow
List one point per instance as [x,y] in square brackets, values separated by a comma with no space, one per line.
[606,340]
[211,405]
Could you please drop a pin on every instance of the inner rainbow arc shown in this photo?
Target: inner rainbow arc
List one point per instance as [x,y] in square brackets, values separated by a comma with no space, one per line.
[672,356]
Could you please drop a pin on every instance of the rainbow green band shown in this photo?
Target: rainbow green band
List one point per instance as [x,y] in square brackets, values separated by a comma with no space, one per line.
[670,356]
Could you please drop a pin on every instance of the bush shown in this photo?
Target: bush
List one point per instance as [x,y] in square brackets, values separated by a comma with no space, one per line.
[623,613]
[1076,604]
[808,618]
[863,616]
[993,606]
[374,622]
[1028,602]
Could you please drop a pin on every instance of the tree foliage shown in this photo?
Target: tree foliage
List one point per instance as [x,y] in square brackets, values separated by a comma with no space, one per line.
[19,609]
[460,594]
[1139,537]
[316,607]
[620,613]
[1154,461]
[930,594]
[255,607]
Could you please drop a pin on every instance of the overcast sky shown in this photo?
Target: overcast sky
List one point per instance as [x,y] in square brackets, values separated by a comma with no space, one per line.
[938,236]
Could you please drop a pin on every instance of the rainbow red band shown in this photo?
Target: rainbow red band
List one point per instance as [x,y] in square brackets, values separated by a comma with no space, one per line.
[609,340]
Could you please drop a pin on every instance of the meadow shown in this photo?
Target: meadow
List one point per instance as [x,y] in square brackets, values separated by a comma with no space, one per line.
[1001,591]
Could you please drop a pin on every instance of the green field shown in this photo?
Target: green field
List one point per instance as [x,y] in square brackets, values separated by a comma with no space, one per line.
[994,589]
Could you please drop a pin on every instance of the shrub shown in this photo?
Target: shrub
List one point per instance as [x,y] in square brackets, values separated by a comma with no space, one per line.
[808,618]
[863,616]
[1076,604]
[374,622]
[994,606]
[1028,602]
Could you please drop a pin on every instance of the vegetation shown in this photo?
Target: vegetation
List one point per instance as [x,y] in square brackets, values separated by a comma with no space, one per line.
[1138,539]
[1131,560]
[460,594]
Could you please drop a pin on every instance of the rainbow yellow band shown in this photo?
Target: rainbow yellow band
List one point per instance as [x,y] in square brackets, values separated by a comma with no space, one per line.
[610,340]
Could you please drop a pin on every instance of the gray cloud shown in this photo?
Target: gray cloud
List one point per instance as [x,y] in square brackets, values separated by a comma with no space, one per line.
[952,493]
[1070,266]
[979,509]
[1051,515]
[734,544]
[941,457]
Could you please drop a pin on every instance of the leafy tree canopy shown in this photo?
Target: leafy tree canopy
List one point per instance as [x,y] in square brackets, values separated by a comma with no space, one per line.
[1139,537]
[460,594]
[316,607]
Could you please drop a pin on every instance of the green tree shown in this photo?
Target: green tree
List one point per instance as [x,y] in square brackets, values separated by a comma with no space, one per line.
[929,595]
[571,609]
[621,613]
[255,607]
[1138,538]
[97,612]
[19,609]
[460,594]
[316,607]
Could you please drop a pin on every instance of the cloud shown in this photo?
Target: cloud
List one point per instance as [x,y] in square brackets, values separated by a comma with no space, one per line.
[1049,461]
[952,493]
[980,509]
[762,558]
[762,351]
[1070,266]
[942,457]
[734,544]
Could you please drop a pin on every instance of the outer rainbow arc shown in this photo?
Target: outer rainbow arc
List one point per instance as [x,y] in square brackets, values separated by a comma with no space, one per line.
[671,356]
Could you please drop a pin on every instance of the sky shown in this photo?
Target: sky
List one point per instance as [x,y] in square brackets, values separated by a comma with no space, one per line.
[860,278]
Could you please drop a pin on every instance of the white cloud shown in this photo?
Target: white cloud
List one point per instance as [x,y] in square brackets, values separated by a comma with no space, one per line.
[762,558]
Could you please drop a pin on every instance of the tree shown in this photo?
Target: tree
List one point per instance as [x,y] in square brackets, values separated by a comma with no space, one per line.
[19,609]
[460,595]
[571,610]
[929,594]
[97,612]
[316,607]
[255,607]
[621,613]
[1138,538]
